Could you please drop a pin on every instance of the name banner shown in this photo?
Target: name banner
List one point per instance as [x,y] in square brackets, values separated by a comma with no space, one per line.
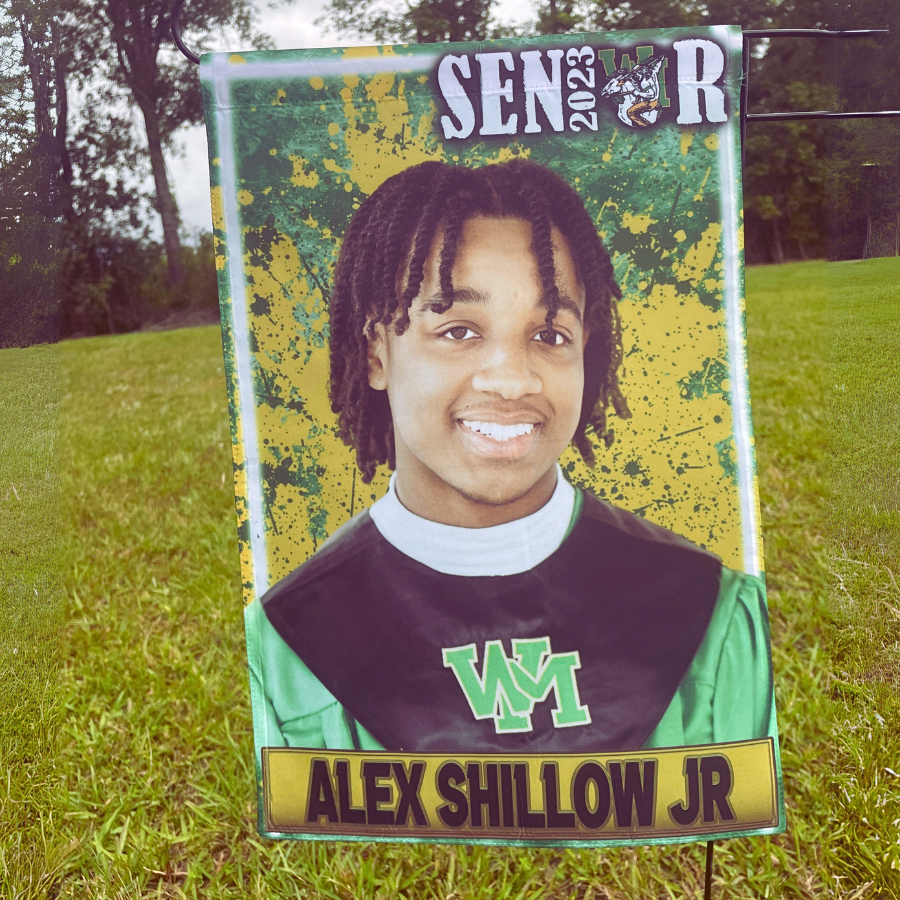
[667,794]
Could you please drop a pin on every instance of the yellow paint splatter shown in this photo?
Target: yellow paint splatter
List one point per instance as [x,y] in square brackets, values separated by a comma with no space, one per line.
[699,257]
[280,95]
[504,154]
[237,450]
[245,198]
[378,88]
[218,210]
[273,151]
[699,195]
[316,83]
[333,128]
[295,295]
[687,138]
[426,120]
[236,59]
[680,236]
[671,439]
[218,219]
[240,495]
[388,145]
[368,52]
[637,224]
[712,142]
[612,141]
[299,176]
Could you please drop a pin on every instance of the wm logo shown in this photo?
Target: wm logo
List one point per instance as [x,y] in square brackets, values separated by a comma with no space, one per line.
[507,689]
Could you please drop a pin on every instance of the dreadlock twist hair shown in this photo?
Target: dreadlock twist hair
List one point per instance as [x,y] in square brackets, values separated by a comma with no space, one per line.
[391,235]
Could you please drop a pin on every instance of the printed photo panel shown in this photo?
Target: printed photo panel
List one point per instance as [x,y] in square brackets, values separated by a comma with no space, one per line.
[511,272]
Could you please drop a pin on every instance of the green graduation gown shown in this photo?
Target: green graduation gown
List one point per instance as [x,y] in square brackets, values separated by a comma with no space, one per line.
[726,694]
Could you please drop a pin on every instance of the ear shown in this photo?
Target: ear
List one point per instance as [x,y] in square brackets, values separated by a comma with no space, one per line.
[377,359]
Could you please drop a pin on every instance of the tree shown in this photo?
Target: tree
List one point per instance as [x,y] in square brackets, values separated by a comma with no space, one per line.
[29,258]
[79,50]
[34,20]
[786,163]
[14,131]
[594,15]
[164,85]
[425,22]
[429,21]
[865,172]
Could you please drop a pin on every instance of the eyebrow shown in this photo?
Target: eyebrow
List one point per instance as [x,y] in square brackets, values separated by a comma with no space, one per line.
[440,303]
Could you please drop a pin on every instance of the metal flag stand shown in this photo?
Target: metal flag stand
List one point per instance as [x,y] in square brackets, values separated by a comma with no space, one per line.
[175,18]
[758,34]
[745,117]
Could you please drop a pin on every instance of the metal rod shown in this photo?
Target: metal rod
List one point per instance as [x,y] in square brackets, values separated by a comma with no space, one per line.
[745,91]
[176,32]
[707,886]
[795,116]
[811,32]
[788,116]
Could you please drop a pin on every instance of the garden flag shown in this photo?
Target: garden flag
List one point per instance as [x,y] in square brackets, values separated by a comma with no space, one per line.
[483,324]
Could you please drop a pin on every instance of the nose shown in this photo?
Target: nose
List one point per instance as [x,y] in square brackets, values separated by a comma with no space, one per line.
[508,372]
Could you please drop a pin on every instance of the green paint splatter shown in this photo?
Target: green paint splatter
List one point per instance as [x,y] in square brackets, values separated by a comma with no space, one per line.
[710,379]
[727,459]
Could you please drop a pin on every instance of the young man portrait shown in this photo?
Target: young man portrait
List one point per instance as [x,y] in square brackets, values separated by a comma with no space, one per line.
[484,604]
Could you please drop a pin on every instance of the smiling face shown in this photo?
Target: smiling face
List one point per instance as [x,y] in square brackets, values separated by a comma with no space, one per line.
[483,396]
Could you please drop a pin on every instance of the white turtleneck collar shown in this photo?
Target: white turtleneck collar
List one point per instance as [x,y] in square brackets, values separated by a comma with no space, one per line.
[498,550]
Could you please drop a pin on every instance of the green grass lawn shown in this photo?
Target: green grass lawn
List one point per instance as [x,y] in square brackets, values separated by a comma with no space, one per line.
[30,621]
[864,562]
[143,763]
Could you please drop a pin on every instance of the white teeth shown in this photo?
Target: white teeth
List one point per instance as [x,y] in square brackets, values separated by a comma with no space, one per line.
[498,432]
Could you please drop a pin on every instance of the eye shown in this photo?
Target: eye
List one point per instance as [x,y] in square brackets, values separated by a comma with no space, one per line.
[459,333]
[552,338]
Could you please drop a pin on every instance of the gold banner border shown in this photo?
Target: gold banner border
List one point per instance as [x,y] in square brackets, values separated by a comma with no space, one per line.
[777,824]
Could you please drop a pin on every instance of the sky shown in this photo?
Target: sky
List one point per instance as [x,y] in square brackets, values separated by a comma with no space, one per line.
[292,28]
